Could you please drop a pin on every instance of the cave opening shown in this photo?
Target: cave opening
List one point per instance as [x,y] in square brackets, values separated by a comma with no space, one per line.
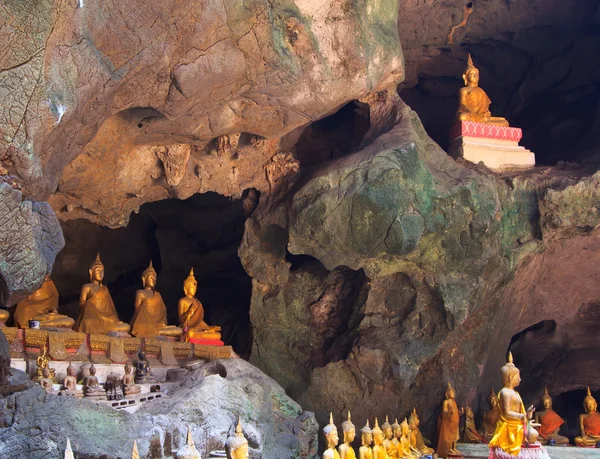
[203,232]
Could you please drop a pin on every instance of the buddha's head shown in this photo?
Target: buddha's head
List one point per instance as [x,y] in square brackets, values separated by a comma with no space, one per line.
[237,446]
[546,400]
[96,270]
[149,276]
[142,355]
[415,418]
[471,74]
[469,412]
[190,285]
[331,433]
[127,367]
[589,402]
[71,371]
[450,393]
[377,433]
[386,427]
[366,435]
[405,428]
[92,370]
[349,430]
[511,376]
[493,399]
[397,429]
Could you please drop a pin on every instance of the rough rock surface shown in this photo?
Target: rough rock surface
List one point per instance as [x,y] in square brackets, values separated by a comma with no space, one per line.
[206,402]
[386,273]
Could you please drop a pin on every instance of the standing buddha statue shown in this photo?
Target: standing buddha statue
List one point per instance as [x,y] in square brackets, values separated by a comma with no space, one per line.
[237,446]
[416,438]
[191,314]
[448,425]
[510,430]
[42,305]
[98,313]
[474,103]
[378,448]
[589,422]
[345,449]
[150,316]
[366,439]
[550,422]
[490,419]
[331,436]
[388,434]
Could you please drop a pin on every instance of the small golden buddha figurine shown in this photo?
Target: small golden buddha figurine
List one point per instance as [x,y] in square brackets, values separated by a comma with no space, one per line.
[397,429]
[189,450]
[470,434]
[98,313]
[237,446]
[474,103]
[490,419]
[589,422]
[345,449]
[404,449]
[42,305]
[191,314]
[378,448]
[42,361]
[550,422]
[416,438]
[129,386]
[91,388]
[448,424]
[150,316]
[46,382]
[70,383]
[510,430]
[366,439]
[388,434]
[331,436]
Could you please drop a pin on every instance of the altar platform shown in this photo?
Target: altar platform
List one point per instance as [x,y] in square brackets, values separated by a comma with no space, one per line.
[481,451]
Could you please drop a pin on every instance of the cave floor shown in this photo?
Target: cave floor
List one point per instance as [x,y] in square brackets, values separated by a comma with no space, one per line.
[472,451]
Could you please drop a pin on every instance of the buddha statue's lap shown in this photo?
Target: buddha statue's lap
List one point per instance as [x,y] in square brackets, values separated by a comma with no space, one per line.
[42,306]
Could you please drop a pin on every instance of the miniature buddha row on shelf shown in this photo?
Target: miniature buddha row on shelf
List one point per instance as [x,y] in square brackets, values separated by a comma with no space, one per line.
[236,447]
[99,315]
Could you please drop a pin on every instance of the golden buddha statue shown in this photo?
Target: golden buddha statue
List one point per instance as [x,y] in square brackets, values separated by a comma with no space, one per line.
[91,387]
[42,361]
[474,104]
[366,439]
[417,441]
[404,449]
[470,434]
[191,314]
[70,383]
[388,435]
[150,316]
[237,446]
[510,429]
[550,422]
[189,451]
[490,419]
[448,424]
[378,448]
[331,436]
[42,305]
[397,429]
[589,422]
[46,382]
[129,385]
[98,313]
[345,449]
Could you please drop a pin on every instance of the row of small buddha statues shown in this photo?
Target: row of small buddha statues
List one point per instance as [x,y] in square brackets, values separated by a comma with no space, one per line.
[99,315]
[398,440]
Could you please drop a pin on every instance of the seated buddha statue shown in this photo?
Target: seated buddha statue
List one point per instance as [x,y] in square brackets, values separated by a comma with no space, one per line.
[378,437]
[91,387]
[191,314]
[46,382]
[150,316]
[388,435]
[550,422]
[474,103]
[70,383]
[129,385]
[42,362]
[237,446]
[345,450]
[470,434]
[589,422]
[417,442]
[98,313]
[490,419]
[143,373]
[366,439]
[42,305]
[331,437]
[404,450]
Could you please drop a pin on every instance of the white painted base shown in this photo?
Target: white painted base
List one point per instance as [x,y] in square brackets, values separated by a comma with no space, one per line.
[495,154]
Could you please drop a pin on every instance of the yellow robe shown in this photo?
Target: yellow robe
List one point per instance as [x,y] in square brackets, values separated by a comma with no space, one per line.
[98,314]
[509,434]
[42,300]
[149,318]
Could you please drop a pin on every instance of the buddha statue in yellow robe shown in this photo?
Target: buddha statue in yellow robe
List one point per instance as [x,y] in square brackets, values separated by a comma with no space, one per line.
[150,316]
[378,437]
[237,446]
[511,426]
[191,314]
[550,422]
[474,103]
[589,422]
[366,439]
[345,449]
[417,442]
[42,305]
[388,435]
[448,424]
[331,437]
[98,313]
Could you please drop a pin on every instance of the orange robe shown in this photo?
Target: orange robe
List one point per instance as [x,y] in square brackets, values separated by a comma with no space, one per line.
[476,103]
[98,314]
[591,423]
[42,300]
[448,427]
[509,434]
[149,318]
[549,423]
